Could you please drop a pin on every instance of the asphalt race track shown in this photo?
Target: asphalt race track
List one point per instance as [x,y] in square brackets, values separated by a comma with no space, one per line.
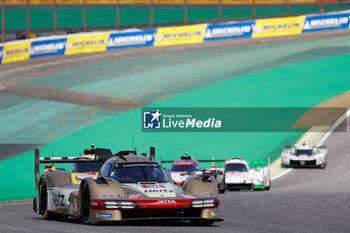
[305,200]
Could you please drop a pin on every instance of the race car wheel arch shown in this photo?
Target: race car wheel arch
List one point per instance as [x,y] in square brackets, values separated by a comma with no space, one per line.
[195,185]
[57,178]
[102,186]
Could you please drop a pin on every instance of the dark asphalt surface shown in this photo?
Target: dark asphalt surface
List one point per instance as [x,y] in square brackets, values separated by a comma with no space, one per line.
[304,200]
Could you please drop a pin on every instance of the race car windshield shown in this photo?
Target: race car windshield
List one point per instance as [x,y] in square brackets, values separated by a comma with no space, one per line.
[183,168]
[303,152]
[138,172]
[236,167]
[85,167]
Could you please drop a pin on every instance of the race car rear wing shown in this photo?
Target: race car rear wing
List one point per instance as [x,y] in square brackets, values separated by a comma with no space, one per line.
[255,164]
[319,147]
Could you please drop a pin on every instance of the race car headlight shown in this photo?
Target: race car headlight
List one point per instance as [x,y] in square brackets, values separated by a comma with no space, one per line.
[204,203]
[120,204]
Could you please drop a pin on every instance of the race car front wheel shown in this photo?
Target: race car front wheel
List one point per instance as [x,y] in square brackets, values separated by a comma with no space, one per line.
[85,203]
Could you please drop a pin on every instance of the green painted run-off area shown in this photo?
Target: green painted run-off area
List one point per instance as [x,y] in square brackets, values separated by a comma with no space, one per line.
[298,74]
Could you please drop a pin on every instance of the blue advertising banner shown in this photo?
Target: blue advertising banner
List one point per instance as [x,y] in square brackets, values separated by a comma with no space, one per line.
[1,48]
[229,30]
[52,47]
[131,39]
[326,22]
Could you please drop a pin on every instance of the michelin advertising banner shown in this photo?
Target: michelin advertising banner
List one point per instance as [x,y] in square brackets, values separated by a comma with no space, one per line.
[86,44]
[99,42]
[131,39]
[229,31]
[278,27]
[15,52]
[180,35]
[45,48]
[326,22]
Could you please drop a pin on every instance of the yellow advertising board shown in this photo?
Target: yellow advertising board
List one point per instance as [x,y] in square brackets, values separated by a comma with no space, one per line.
[278,26]
[16,52]
[180,35]
[86,44]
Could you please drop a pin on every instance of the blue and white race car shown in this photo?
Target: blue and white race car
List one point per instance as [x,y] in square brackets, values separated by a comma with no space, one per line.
[304,156]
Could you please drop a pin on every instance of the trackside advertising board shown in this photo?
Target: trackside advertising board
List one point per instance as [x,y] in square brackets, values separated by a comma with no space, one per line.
[167,36]
[326,22]
[131,39]
[229,31]
[86,44]
[43,48]
[180,35]
[16,52]
[278,26]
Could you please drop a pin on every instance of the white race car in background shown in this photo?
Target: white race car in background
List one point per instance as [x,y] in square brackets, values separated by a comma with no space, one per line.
[238,175]
[304,156]
[180,170]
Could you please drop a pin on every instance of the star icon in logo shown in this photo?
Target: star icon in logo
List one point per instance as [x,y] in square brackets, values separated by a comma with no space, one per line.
[156,115]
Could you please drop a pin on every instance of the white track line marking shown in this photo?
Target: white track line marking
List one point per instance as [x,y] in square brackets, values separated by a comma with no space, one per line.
[281,174]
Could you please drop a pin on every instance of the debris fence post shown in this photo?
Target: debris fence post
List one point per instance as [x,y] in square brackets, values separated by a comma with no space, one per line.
[54,17]
[186,12]
[254,9]
[84,15]
[118,14]
[151,14]
[220,11]
[3,21]
[28,19]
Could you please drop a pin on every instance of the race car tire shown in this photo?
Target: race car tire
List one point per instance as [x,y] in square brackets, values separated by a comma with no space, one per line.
[234,189]
[202,222]
[43,205]
[268,187]
[222,188]
[324,165]
[85,204]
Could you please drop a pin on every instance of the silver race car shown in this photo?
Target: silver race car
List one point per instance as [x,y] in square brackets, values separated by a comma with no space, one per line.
[304,156]
[128,187]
